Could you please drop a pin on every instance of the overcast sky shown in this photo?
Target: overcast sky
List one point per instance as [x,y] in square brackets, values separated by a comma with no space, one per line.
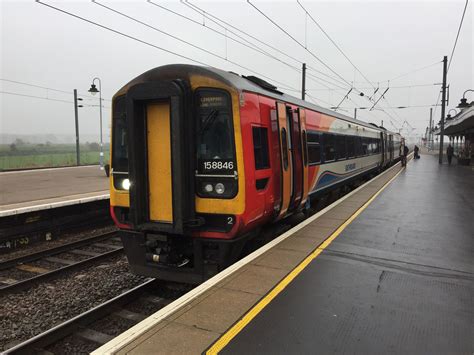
[384,39]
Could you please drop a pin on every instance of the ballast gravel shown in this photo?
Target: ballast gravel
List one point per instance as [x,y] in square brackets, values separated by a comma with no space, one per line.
[38,309]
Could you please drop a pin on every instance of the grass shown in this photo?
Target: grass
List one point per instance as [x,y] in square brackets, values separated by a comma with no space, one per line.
[27,156]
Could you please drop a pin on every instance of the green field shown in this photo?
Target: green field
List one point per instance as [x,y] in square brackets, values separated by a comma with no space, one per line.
[24,156]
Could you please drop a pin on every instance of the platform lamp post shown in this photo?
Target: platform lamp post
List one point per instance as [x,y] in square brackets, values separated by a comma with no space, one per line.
[463,103]
[455,112]
[449,117]
[93,90]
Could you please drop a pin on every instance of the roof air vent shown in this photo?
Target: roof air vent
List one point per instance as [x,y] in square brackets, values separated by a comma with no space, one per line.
[262,83]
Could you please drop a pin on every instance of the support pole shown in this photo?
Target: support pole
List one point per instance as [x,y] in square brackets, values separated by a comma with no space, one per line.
[76,118]
[443,109]
[355,113]
[430,132]
[303,82]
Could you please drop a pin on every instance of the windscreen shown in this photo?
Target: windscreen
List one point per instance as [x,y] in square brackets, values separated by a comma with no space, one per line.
[215,139]
[119,142]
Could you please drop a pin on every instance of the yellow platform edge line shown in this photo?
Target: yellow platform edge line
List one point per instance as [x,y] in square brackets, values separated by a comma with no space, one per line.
[252,313]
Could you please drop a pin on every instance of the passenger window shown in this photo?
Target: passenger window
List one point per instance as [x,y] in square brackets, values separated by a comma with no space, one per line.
[260,148]
[304,148]
[284,146]
[314,148]
[371,147]
[351,150]
[365,145]
[329,147]
[341,147]
[358,146]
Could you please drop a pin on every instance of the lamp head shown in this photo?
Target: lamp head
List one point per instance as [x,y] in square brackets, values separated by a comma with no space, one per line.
[93,89]
[463,103]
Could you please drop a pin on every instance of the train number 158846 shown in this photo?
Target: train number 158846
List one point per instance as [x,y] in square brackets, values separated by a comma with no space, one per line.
[218,165]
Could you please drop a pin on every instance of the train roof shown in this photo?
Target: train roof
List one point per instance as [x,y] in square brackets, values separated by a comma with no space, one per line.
[241,83]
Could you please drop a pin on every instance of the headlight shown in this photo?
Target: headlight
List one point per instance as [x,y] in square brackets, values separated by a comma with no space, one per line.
[220,188]
[208,188]
[126,184]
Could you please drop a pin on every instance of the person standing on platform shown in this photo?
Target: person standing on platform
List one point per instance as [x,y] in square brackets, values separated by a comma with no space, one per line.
[450,153]
[405,155]
[416,150]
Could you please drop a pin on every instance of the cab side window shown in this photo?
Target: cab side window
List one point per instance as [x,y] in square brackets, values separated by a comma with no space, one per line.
[260,148]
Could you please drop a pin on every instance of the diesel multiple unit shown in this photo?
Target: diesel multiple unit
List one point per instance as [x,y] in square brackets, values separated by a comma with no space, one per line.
[203,159]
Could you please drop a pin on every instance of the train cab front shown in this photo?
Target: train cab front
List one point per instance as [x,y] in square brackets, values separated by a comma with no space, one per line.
[177,191]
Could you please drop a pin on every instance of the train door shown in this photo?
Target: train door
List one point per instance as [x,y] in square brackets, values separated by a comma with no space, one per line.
[160,165]
[303,157]
[159,162]
[287,173]
[297,156]
[382,148]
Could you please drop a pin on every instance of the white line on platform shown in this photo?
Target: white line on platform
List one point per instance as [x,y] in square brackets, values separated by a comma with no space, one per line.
[39,170]
[137,330]
[47,206]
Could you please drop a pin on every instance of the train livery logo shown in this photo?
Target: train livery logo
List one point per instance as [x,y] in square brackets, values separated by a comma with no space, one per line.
[350,167]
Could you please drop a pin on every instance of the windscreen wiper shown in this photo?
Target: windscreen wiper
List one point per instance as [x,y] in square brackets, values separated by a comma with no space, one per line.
[209,120]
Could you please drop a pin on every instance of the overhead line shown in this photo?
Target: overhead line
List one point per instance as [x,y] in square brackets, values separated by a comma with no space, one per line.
[395,113]
[298,42]
[413,71]
[316,78]
[36,86]
[179,39]
[333,42]
[436,106]
[398,107]
[457,36]
[318,99]
[215,18]
[120,33]
[262,51]
[339,81]
[33,96]
[369,113]
[375,103]
[207,14]
[46,98]
[48,88]
[251,45]
[134,38]
[391,87]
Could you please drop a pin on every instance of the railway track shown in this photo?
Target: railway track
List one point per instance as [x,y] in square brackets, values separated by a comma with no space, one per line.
[23,272]
[93,328]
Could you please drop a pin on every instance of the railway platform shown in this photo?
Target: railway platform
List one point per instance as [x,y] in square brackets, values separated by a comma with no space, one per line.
[387,268]
[34,190]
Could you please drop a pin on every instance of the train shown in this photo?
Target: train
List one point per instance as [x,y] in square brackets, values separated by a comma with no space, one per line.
[202,160]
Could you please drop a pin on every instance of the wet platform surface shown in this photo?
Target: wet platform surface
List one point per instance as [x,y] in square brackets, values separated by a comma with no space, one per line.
[386,269]
[27,188]
[398,279]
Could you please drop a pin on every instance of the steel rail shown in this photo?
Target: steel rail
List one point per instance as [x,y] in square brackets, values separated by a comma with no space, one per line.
[56,250]
[49,337]
[23,284]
